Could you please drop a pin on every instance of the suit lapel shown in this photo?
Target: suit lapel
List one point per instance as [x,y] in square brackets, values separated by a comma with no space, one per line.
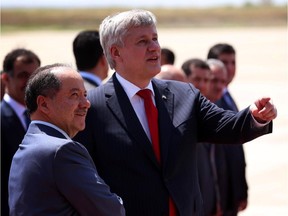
[119,104]
[164,102]
[226,102]
[233,105]
[11,117]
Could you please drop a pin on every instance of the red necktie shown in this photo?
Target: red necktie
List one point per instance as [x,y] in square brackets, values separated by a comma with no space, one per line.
[152,117]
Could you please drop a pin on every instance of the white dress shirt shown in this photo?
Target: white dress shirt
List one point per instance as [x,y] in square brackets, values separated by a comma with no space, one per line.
[18,108]
[136,101]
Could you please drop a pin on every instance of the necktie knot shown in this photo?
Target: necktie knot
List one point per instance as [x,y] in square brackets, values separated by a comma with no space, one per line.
[145,93]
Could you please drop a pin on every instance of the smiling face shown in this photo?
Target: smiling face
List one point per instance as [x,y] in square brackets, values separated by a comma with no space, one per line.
[217,83]
[200,78]
[69,107]
[139,59]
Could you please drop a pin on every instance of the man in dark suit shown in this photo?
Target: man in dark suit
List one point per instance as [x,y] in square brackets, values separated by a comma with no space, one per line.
[18,65]
[155,180]
[167,56]
[90,59]
[237,187]
[50,173]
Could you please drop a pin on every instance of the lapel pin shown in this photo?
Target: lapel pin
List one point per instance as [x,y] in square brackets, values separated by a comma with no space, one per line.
[164,97]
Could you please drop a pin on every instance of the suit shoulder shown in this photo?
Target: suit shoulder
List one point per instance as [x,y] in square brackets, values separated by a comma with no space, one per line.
[176,86]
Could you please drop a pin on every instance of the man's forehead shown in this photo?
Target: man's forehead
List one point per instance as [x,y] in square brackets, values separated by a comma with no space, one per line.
[141,31]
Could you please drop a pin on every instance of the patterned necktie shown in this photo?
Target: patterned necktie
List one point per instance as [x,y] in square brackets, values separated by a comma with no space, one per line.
[152,117]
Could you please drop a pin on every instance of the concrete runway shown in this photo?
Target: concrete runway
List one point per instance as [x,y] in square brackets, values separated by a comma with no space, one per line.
[262,70]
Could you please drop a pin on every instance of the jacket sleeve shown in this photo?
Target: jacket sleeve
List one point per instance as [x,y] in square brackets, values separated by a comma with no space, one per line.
[77,179]
[225,126]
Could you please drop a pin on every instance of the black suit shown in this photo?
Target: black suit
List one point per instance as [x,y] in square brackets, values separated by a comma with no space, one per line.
[124,156]
[12,133]
[236,184]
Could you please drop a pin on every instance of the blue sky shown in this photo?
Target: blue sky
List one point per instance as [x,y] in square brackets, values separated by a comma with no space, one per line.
[127,3]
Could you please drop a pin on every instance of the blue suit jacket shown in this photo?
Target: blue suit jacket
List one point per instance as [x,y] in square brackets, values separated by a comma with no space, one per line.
[12,133]
[237,187]
[124,156]
[52,175]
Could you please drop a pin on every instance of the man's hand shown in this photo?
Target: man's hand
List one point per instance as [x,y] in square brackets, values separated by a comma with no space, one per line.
[263,110]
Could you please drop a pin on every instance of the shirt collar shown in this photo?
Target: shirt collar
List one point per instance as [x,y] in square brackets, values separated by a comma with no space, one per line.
[225,90]
[130,88]
[91,76]
[51,125]
[16,106]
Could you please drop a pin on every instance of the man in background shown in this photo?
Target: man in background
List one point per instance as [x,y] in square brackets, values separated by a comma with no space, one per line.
[237,185]
[198,73]
[167,56]
[2,86]
[90,59]
[18,65]
[171,72]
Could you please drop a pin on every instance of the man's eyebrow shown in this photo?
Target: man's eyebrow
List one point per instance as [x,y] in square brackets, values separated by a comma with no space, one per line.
[74,89]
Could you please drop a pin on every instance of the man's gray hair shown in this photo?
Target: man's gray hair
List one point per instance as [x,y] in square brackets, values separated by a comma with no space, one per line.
[115,28]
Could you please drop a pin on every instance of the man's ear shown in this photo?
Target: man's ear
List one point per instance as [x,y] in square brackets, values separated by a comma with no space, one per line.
[42,104]
[115,52]
[5,78]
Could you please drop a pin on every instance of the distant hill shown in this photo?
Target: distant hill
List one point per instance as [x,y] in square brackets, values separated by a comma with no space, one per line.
[36,19]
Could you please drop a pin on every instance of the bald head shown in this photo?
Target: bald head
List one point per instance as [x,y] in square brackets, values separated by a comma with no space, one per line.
[171,72]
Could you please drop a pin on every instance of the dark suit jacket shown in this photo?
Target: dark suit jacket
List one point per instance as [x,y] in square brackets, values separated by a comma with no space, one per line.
[209,187]
[53,175]
[237,187]
[12,133]
[124,156]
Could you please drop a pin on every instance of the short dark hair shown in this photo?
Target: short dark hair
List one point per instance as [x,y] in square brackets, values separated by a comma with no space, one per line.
[42,82]
[87,49]
[10,58]
[170,56]
[199,63]
[218,49]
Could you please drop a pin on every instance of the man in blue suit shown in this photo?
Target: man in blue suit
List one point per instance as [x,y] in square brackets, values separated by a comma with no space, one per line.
[18,65]
[89,58]
[117,132]
[51,174]
[236,184]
